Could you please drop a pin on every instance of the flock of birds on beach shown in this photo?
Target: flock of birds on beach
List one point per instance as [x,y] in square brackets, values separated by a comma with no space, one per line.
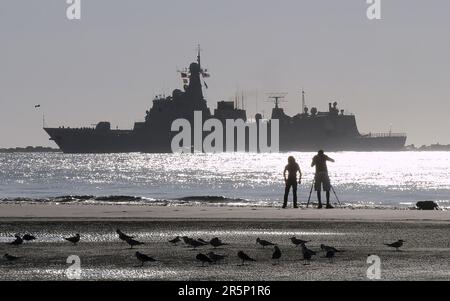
[211,257]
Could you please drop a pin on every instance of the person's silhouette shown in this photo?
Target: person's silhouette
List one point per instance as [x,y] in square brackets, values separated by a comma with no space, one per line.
[321,178]
[291,180]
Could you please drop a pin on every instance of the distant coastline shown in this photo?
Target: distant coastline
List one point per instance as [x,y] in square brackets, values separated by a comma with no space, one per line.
[432,147]
[30,149]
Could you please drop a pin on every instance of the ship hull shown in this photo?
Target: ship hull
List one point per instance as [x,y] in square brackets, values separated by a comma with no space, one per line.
[120,141]
[91,141]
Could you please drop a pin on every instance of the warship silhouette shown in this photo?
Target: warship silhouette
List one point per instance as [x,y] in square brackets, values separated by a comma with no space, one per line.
[309,130]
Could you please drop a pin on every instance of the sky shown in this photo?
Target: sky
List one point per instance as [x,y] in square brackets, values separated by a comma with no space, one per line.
[393,73]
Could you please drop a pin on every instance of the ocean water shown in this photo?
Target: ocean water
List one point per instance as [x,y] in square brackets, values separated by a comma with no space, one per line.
[360,179]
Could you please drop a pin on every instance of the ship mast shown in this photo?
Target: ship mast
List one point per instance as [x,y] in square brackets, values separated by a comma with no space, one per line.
[198,56]
[303,102]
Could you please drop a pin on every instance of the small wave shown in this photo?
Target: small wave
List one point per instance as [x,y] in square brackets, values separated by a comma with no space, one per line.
[211,199]
[202,200]
[137,200]
[68,199]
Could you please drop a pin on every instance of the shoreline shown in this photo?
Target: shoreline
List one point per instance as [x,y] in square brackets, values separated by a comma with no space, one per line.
[9,211]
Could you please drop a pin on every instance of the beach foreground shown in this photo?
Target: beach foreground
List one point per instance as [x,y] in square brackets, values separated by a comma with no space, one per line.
[425,255]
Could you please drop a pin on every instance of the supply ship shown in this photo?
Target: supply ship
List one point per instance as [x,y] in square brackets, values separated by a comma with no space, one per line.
[309,130]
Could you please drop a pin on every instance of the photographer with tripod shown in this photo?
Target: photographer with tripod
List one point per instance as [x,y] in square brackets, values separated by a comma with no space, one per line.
[321,178]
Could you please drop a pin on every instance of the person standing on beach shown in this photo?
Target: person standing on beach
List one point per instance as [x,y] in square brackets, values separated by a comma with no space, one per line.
[321,178]
[291,180]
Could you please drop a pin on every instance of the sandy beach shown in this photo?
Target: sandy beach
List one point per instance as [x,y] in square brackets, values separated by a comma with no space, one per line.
[359,232]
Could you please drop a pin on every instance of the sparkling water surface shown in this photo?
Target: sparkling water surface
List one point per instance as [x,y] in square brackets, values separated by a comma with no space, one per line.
[360,178]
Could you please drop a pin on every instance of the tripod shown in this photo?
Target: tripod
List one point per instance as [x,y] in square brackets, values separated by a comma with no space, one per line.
[310,192]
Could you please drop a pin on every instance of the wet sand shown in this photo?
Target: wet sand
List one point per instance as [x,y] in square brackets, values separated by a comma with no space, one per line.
[86,211]
[425,255]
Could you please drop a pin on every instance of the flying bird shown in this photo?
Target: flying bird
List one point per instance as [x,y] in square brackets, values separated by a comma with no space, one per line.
[216,242]
[329,248]
[276,254]
[10,257]
[203,258]
[37,106]
[297,241]
[244,257]
[396,244]
[216,257]
[144,258]
[263,242]
[28,237]
[132,242]
[123,236]
[175,240]
[74,239]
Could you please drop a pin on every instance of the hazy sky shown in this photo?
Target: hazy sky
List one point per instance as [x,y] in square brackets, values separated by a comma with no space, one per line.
[110,64]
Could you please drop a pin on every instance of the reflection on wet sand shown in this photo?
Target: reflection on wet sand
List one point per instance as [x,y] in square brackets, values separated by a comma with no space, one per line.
[103,255]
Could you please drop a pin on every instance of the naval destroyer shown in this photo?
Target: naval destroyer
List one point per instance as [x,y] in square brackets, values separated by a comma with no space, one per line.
[308,130]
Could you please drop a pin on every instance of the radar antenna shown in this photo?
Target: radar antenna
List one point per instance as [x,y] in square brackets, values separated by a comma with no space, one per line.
[277,98]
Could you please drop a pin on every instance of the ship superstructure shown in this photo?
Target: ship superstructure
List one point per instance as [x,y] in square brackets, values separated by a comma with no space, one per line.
[309,130]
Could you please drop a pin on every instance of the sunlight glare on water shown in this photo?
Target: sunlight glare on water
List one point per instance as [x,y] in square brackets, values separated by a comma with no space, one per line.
[370,178]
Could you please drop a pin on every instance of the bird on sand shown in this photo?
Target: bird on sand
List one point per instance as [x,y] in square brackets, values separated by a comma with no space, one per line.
[132,242]
[202,241]
[203,258]
[74,239]
[244,257]
[216,242]
[189,241]
[10,257]
[194,243]
[175,240]
[396,244]
[186,239]
[263,242]
[123,236]
[329,248]
[330,255]
[297,241]
[17,241]
[276,254]
[28,237]
[307,254]
[144,258]
[216,257]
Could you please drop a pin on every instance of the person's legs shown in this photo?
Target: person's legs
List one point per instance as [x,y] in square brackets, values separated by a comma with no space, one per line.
[286,194]
[328,200]
[294,192]
[327,187]
[317,187]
